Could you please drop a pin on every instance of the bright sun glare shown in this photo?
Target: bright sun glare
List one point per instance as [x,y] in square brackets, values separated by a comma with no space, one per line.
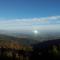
[35,31]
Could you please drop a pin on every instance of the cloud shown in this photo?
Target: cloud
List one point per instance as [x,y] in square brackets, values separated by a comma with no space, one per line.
[44,23]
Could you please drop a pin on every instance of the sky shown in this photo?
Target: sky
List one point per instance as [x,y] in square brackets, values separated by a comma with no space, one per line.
[30,15]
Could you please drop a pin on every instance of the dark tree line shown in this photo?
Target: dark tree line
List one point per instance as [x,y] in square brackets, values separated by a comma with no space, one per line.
[26,55]
[49,52]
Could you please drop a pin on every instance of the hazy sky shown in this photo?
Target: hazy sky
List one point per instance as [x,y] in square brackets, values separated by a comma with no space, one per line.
[30,14]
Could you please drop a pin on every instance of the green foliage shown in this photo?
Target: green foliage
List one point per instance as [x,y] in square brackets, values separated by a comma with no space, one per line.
[55,50]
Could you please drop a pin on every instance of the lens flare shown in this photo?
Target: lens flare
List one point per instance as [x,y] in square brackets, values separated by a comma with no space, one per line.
[35,31]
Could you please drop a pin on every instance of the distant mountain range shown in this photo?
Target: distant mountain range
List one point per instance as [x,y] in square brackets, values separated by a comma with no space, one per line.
[22,41]
[28,38]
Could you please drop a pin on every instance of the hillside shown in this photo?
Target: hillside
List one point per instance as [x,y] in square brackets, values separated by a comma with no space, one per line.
[45,44]
[15,42]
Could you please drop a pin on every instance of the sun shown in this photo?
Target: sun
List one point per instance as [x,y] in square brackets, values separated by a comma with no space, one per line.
[35,31]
